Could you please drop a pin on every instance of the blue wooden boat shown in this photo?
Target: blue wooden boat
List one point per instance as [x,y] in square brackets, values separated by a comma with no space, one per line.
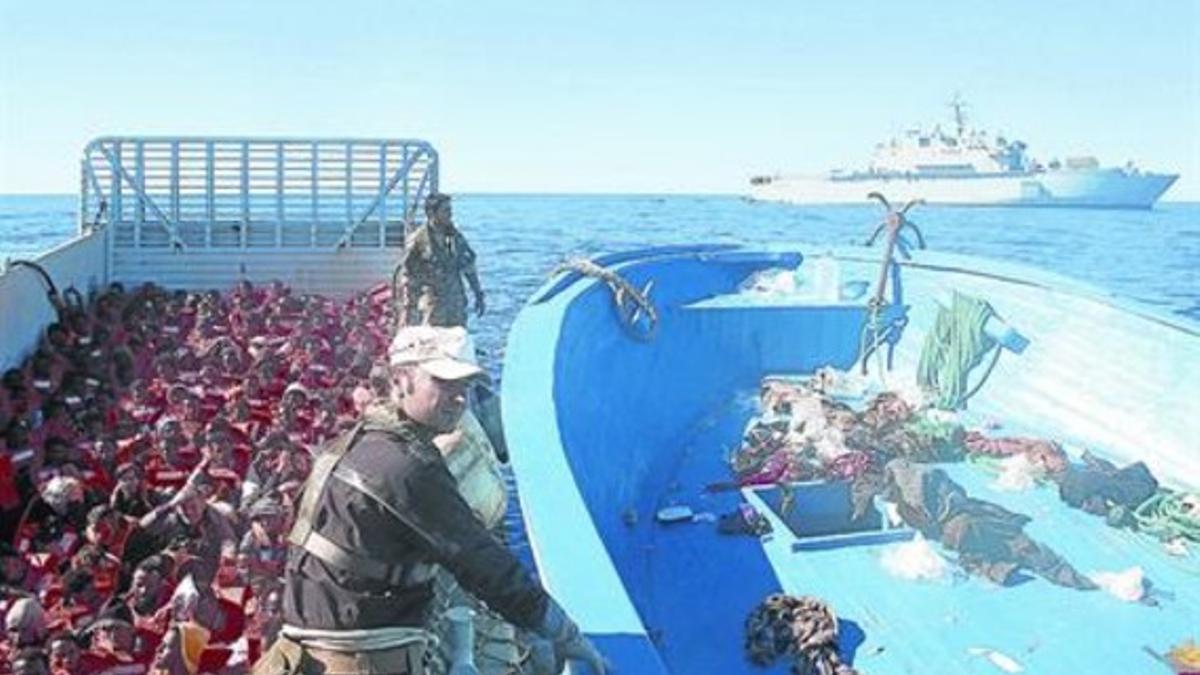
[608,427]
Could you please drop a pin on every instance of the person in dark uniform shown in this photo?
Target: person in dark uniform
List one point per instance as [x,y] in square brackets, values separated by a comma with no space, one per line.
[435,262]
[379,511]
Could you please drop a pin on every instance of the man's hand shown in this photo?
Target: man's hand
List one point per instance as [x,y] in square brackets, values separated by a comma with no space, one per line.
[569,643]
[579,648]
[479,306]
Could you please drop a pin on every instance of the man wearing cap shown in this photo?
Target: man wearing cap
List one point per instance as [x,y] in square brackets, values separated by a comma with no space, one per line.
[379,511]
[436,259]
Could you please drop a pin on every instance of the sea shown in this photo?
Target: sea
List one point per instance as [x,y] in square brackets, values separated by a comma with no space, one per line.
[1150,256]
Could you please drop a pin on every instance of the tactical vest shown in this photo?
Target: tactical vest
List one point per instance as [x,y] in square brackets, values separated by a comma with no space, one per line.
[304,535]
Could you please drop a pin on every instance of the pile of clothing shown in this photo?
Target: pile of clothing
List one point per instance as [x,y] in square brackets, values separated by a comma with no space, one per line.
[804,434]
[803,628]
[989,539]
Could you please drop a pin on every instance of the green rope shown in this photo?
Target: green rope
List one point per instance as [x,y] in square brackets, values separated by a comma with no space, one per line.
[956,344]
[1169,515]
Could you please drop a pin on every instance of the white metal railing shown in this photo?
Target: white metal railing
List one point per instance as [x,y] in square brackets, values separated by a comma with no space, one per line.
[239,193]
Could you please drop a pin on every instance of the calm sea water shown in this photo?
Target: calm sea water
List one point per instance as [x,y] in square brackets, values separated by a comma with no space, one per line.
[1150,256]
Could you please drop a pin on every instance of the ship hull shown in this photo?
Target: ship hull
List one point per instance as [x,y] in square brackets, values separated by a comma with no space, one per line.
[1104,188]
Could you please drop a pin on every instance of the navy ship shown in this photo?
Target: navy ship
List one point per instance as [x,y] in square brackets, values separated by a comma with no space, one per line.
[970,167]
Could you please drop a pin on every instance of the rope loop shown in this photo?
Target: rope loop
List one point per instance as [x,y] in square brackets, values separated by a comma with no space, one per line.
[636,313]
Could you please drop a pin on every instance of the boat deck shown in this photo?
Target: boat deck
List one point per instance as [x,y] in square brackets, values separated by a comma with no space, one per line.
[698,586]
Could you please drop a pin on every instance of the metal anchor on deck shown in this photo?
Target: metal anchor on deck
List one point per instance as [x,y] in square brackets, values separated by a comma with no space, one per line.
[894,223]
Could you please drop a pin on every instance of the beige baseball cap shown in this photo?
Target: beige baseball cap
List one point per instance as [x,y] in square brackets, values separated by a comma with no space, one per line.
[445,353]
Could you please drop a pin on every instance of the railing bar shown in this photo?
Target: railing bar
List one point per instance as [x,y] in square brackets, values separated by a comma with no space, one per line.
[174,199]
[279,215]
[411,213]
[197,177]
[349,184]
[120,177]
[383,201]
[84,190]
[114,162]
[139,214]
[245,186]
[316,195]
[210,208]
[406,196]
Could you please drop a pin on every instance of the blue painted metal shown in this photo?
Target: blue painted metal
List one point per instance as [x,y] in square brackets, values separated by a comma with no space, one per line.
[605,431]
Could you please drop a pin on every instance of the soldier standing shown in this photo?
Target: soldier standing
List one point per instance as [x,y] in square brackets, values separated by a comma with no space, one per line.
[379,511]
[435,262]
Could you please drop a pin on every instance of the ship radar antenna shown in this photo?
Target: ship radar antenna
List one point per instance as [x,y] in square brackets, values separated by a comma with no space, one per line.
[959,106]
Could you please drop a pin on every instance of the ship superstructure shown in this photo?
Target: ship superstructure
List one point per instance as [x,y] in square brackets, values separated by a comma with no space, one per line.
[968,166]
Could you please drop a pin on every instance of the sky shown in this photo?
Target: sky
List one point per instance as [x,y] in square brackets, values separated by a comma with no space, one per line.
[565,96]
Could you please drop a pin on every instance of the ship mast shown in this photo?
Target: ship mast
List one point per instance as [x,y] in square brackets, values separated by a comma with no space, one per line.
[960,116]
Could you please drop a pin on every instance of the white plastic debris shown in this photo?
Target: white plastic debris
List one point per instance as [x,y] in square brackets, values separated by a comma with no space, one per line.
[941,416]
[892,511]
[773,282]
[915,560]
[911,393]
[1128,585]
[844,384]
[997,658]
[675,514]
[829,445]
[1177,547]
[807,414]
[1017,473]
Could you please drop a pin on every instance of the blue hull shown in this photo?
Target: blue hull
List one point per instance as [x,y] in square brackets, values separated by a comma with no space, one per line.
[606,430]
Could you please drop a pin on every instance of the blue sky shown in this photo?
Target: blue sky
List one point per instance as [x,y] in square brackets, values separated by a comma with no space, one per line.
[602,97]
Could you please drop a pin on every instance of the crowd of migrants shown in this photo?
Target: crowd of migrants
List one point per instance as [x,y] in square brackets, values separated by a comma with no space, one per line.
[891,446]
[151,453]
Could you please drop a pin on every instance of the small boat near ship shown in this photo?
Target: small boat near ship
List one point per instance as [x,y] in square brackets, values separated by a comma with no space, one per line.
[969,167]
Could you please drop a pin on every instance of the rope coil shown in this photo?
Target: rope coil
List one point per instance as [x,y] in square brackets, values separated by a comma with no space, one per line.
[955,345]
[1169,515]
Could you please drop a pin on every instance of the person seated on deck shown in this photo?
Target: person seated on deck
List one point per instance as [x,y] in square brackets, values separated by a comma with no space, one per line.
[25,624]
[436,260]
[114,642]
[29,661]
[96,431]
[66,654]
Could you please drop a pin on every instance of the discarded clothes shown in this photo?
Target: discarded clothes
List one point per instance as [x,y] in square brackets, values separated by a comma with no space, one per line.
[804,435]
[745,520]
[988,538]
[1098,486]
[803,628]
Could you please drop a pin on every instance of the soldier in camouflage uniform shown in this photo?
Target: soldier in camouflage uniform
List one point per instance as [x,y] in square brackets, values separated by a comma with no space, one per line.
[436,260]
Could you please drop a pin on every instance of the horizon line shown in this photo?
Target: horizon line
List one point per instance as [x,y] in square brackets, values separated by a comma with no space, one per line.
[498,193]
